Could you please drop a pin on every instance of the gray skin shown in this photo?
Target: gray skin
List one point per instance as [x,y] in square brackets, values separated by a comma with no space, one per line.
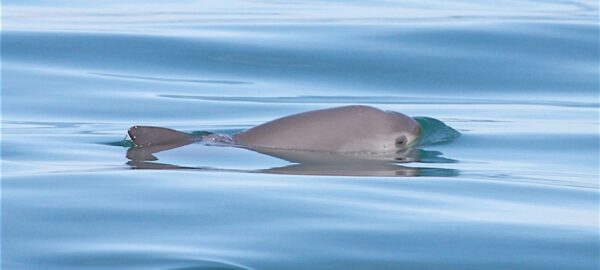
[348,129]
[341,129]
[322,142]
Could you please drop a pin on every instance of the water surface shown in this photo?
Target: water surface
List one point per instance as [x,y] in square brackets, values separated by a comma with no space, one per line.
[517,190]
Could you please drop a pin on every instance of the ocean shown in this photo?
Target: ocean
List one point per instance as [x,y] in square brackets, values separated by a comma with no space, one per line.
[518,189]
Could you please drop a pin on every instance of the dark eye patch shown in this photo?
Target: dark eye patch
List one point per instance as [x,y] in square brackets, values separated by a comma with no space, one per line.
[400,140]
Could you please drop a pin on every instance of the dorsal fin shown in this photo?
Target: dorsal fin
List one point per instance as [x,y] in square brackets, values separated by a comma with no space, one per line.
[146,136]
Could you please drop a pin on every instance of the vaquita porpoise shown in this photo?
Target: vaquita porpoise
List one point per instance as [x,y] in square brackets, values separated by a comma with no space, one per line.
[345,129]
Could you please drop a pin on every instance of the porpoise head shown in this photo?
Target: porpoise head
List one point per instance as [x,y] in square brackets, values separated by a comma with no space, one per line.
[404,131]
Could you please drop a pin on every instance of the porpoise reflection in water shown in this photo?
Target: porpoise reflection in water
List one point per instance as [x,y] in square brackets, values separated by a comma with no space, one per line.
[349,140]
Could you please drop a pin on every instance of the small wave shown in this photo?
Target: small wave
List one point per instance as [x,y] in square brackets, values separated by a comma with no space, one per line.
[434,131]
[211,265]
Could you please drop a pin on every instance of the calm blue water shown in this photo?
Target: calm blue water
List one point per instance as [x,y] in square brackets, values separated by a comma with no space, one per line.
[517,190]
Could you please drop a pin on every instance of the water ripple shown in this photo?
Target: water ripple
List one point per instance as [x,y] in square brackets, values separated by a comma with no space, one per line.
[163,79]
[381,100]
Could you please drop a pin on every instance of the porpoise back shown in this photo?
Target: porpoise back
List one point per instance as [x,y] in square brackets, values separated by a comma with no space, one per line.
[341,129]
